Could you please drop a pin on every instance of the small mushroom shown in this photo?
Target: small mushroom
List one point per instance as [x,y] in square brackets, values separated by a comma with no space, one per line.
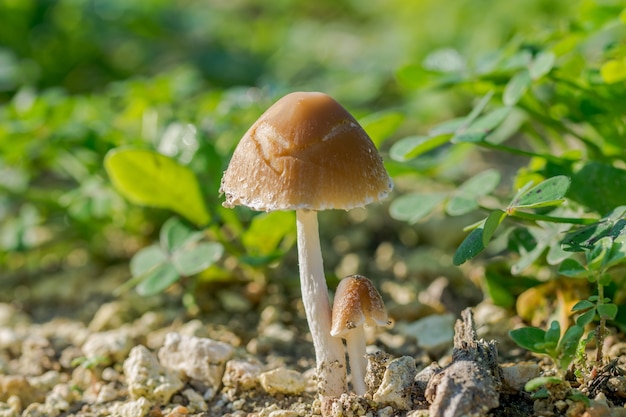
[357,303]
[307,153]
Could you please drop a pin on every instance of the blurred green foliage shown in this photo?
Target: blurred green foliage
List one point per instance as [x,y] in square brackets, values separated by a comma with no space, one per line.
[439,86]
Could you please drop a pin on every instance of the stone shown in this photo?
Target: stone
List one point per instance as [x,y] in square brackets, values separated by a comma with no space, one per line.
[396,387]
[282,381]
[111,346]
[147,378]
[241,374]
[515,376]
[196,402]
[199,359]
[18,385]
[136,408]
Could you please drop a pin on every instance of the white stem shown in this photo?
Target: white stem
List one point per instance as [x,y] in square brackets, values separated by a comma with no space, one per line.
[329,353]
[355,344]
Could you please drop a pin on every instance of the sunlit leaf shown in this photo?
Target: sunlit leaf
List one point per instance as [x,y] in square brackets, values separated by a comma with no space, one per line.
[158,280]
[190,261]
[380,126]
[480,184]
[267,231]
[413,207]
[146,259]
[175,234]
[149,178]
[547,193]
[448,127]
[413,146]
[540,382]
[482,127]
[613,71]
[461,204]
[516,88]
[541,64]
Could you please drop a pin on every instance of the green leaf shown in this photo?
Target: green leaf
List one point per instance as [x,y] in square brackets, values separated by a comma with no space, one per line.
[175,234]
[471,246]
[414,146]
[146,259]
[583,305]
[547,193]
[459,205]
[448,127]
[464,199]
[151,179]
[267,231]
[480,184]
[190,261]
[586,318]
[158,280]
[413,207]
[613,71]
[612,225]
[541,64]
[552,336]
[573,269]
[516,88]
[541,381]
[569,345]
[598,253]
[529,338]
[482,127]
[607,311]
[380,126]
[491,224]
[599,186]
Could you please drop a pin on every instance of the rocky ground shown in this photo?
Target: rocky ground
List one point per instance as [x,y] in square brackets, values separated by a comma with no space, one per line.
[133,359]
[70,348]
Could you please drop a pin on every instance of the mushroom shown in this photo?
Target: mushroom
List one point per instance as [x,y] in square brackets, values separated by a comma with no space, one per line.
[357,303]
[307,153]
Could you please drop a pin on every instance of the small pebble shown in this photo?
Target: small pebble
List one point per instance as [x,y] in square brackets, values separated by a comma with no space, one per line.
[282,381]
[145,377]
[396,386]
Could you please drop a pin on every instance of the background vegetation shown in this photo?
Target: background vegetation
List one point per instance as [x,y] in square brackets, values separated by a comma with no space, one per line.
[469,101]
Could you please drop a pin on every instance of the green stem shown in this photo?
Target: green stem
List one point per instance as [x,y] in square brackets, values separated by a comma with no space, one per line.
[601,326]
[520,152]
[551,219]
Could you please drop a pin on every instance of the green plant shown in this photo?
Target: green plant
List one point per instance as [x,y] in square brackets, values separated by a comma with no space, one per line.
[548,106]
[188,249]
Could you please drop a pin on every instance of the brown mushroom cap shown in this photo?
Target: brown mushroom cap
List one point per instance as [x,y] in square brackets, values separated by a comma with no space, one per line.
[305,152]
[357,302]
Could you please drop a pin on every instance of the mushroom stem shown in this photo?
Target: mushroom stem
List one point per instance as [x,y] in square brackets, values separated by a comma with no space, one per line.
[329,353]
[355,345]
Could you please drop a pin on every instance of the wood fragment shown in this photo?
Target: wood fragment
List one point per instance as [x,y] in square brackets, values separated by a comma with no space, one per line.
[470,384]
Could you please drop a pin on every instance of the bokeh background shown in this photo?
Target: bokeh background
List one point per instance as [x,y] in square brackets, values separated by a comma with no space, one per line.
[186,78]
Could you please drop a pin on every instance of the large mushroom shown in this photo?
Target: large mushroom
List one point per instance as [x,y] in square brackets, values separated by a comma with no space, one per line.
[357,303]
[307,153]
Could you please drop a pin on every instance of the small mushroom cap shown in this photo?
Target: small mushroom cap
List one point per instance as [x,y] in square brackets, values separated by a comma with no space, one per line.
[357,302]
[305,152]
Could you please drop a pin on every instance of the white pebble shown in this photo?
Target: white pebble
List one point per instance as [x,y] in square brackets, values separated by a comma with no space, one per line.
[282,381]
[147,378]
